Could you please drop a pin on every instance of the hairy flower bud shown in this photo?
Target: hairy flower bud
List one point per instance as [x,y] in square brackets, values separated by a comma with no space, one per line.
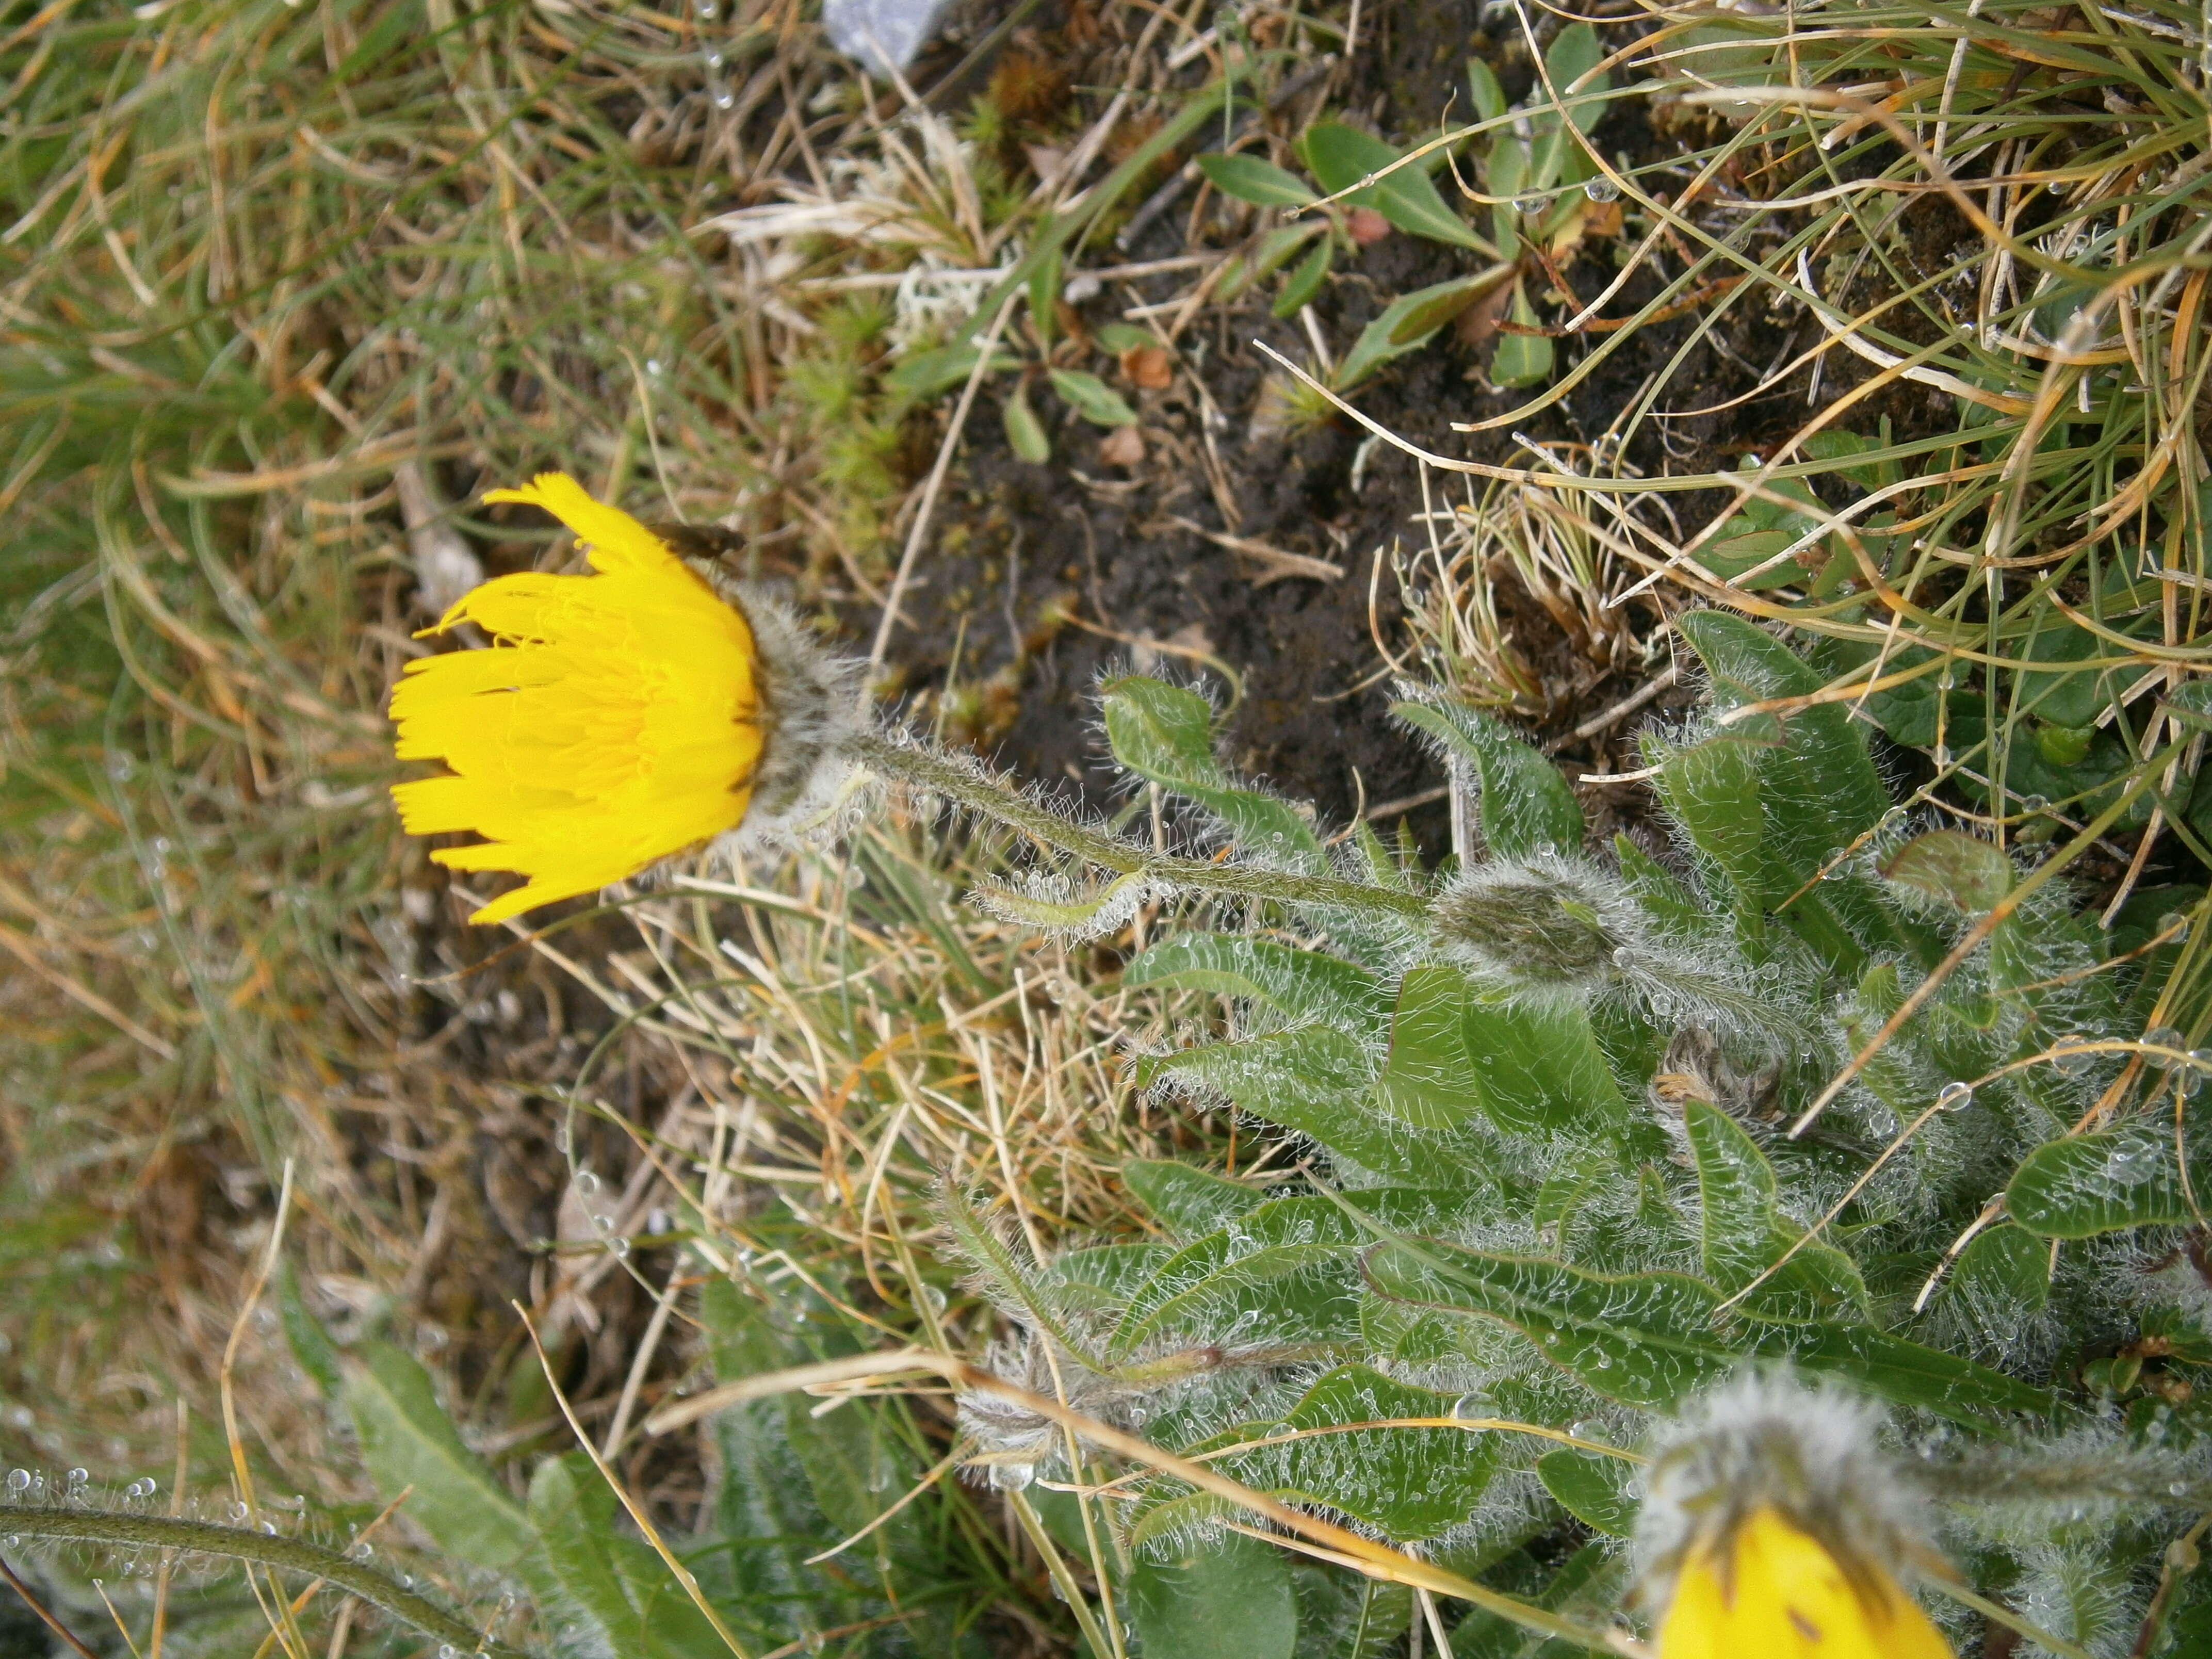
[1542,923]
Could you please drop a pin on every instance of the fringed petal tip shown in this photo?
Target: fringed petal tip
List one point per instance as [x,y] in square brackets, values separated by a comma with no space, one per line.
[536,492]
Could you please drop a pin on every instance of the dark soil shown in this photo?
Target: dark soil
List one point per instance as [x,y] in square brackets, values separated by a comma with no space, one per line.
[989,656]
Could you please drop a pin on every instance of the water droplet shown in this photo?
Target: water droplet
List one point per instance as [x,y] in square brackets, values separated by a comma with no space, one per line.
[13,1541]
[705,9]
[935,1298]
[2078,1060]
[620,1247]
[2056,187]
[2035,804]
[19,1481]
[2175,924]
[1601,190]
[2177,1489]
[2163,1036]
[360,1550]
[2131,1164]
[1012,1477]
[1545,848]
[586,1182]
[239,1512]
[1623,956]
[725,99]
[120,768]
[1954,1096]
[1470,1407]
[1605,1362]
[1527,205]
[714,61]
[1589,1429]
[604,1224]
[448,1650]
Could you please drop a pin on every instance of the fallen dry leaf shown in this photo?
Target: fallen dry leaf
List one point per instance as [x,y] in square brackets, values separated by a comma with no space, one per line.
[1366,226]
[1479,322]
[1601,219]
[1123,446]
[1148,367]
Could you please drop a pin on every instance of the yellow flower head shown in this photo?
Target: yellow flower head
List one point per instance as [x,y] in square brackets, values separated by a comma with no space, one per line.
[1774,1526]
[617,718]
[1768,1590]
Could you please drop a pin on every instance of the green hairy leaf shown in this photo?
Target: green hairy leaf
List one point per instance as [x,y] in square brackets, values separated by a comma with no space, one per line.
[1165,735]
[408,1441]
[1527,807]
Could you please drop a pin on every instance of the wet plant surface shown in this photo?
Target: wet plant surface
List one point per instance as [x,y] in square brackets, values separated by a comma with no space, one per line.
[258,374]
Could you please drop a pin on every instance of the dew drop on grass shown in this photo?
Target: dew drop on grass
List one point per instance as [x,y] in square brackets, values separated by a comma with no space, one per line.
[586,1182]
[18,1482]
[1601,190]
[2163,1036]
[620,1247]
[1527,205]
[1954,1096]
[2075,1063]
[1622,956]
[2176,925]
[725,99]
[1012,1477]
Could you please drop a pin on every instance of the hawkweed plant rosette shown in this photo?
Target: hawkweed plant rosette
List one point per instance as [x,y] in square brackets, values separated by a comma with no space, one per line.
[619,718]
[1774,1524]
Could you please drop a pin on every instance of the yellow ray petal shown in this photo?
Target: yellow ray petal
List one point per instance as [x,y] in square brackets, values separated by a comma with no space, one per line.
[614,722]
[1774,1592]
[616,541]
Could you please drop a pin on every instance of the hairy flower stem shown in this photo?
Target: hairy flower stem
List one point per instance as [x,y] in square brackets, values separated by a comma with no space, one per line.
[992,796]
[91,1526]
